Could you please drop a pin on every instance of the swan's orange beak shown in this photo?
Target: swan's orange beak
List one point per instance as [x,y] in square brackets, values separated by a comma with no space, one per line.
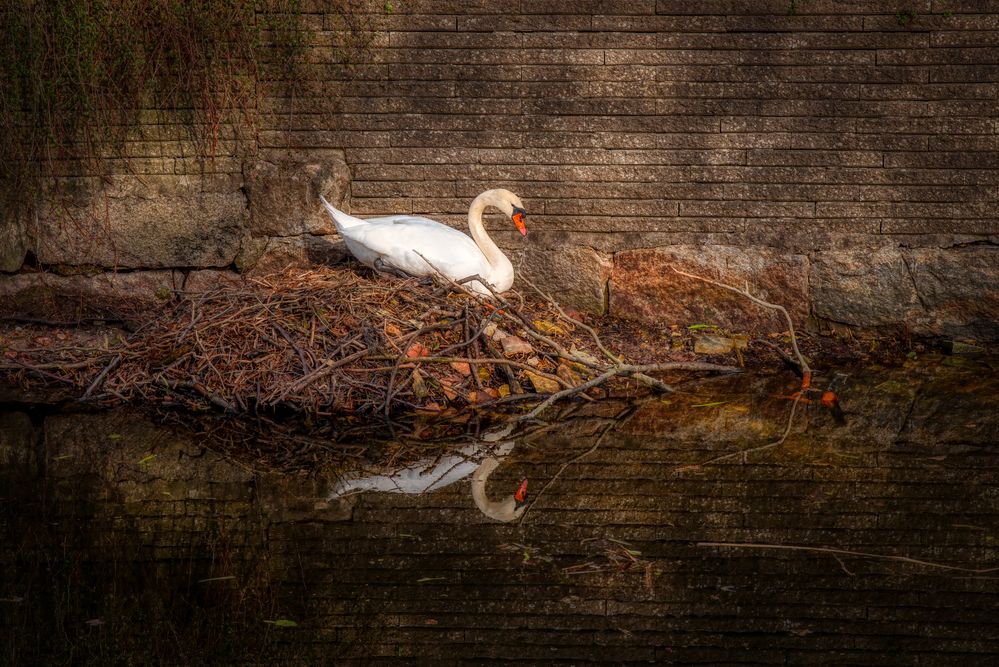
[521,496]
[518,219]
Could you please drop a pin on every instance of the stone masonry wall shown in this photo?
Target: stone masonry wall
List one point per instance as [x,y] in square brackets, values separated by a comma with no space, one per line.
[840,156]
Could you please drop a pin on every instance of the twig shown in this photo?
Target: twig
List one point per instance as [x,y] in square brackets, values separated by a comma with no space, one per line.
[320,373]
[746,452]
[805,370]
[626,369]
[100,378]
[565,465]
[848,552]
[301,355]
[582,325]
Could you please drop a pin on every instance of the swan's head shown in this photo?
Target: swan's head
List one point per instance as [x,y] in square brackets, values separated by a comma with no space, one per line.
[510,204]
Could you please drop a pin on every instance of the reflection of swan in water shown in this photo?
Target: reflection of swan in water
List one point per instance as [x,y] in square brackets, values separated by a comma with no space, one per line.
[479,459]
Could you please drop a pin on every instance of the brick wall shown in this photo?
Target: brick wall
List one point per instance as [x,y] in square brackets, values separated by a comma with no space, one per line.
[720,119]
[854,144]
[820,128]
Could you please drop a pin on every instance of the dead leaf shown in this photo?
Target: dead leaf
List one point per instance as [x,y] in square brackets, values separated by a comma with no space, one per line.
[568,375]
[449,392]
[417,350]
[583,355]
[543,385]
[486,394]
[462,367]
[419,386]
[718,344]
[546,327]
[514,345]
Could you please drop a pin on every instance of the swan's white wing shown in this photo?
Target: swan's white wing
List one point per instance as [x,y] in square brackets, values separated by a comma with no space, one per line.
[404,241]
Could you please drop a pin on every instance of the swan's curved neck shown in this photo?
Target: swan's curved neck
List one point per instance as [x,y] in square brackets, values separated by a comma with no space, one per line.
[502,269]
[501,510]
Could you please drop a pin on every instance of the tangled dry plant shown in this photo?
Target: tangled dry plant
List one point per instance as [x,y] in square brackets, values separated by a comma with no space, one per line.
[332,341]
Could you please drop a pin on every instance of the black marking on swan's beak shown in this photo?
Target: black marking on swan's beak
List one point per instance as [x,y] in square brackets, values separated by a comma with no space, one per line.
[518,219]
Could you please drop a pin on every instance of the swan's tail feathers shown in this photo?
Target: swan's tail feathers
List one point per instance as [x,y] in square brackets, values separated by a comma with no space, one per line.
[341,219]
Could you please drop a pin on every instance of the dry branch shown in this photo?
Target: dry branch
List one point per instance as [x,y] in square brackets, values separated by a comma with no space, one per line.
[335,341]
[848,552]
[805,370]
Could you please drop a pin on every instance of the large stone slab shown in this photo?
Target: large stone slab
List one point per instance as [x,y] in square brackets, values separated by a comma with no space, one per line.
[284,195]
[114,295]
[105,295]
[575,276]
[958,290]
[865,287]
[266,255]
[147,222]
[643,286]
[13,244]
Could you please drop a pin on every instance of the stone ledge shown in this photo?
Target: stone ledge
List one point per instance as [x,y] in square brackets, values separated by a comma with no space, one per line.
[149,222]
[642,286]
[104,295]
[265,255]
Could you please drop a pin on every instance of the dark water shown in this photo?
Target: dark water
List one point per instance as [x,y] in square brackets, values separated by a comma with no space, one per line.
[125,541]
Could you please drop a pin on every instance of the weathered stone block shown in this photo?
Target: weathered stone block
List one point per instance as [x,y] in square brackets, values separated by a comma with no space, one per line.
[575,276]
[863,288]
[148,222]
[958,289]
[643,286]
[102,295]
[270,255]
[284,196]
[13,245]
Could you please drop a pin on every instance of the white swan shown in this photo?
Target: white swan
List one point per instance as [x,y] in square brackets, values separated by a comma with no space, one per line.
[416,246]
[430,475]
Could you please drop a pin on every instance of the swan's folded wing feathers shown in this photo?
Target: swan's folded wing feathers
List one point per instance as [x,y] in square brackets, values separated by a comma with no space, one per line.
[408,247]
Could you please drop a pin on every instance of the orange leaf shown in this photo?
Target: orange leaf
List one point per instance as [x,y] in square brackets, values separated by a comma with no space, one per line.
[417,350]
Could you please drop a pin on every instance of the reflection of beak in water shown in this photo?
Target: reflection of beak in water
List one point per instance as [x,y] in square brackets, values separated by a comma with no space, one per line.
[433,474]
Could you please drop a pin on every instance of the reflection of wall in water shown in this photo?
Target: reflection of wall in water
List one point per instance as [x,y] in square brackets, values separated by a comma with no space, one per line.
[95,530]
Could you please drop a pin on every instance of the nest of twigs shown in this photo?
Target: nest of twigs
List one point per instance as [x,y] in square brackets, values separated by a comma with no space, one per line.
[334,341]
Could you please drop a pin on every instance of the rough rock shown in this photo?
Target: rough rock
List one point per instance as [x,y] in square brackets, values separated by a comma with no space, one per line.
[111,295]
[209,279]
[13,245]
[105,295]
[863,287]
[152,222]
[284,195]
[269,255]
[642,286]
[575,276]
[958,291]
